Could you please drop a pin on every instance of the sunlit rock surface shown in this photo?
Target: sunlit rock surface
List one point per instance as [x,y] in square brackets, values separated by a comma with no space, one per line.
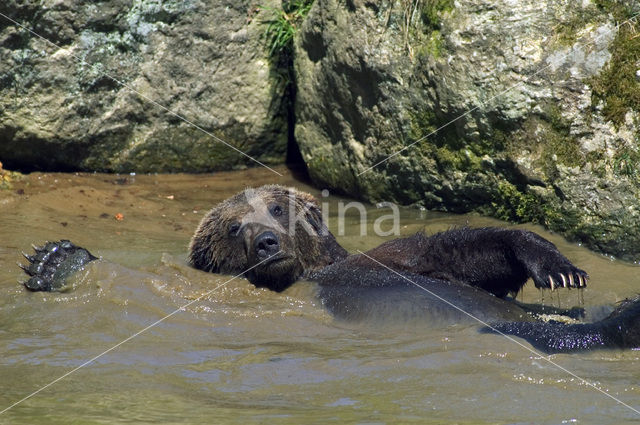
[63,106]
[538,100]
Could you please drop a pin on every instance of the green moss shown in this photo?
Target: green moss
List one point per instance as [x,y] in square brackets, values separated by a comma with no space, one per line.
[422,36]
[570,223]
[446,147]
[560,146]
[441,145]
[422,123]
[433,46]
[513,205]
[549,139]
[431,12]
[617,85]
[621,10]
[566,31]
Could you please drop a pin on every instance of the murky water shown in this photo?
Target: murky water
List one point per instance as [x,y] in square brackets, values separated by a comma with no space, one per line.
[246,355]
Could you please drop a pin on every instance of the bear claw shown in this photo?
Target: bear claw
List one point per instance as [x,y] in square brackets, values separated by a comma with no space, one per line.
[52,263]
[577,279]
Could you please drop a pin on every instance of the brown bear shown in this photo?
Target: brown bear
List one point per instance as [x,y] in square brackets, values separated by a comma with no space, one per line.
[275,235]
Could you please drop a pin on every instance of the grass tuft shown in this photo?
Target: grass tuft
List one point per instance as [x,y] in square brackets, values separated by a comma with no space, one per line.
[283,25]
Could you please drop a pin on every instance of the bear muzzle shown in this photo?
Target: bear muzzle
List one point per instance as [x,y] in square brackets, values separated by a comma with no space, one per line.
[266,245]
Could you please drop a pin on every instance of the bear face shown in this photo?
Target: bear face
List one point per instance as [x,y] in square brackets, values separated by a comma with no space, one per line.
[273,235]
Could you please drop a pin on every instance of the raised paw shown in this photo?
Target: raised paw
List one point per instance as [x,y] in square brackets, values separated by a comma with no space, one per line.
[53,263]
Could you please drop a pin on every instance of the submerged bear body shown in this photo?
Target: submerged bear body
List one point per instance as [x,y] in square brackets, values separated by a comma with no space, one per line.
[275,236]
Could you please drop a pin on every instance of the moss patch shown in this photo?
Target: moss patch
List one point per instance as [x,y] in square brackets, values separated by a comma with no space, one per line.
[617,86]
[433,46]
[548,138]
[487,161]
[559,146]
[420,26]
[566,32]
[446,147]
[431,12]
[513,205]
[519,205]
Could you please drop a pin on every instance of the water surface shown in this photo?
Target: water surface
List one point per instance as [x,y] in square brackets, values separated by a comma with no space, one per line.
[245,355]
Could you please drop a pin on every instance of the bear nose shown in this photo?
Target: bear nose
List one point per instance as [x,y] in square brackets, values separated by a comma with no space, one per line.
[266,244]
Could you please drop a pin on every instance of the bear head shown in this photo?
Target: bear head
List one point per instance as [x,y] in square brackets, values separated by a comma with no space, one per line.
[273,235]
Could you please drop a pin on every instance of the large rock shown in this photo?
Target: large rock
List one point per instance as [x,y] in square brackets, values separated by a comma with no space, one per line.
[531,125]
[64,107]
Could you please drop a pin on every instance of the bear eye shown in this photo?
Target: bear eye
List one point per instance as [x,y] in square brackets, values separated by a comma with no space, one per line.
[234,228]
[276,210]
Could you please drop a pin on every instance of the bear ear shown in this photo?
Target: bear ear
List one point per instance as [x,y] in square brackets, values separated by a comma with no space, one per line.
[200,256]
[208,232]
[313,215]
[304,197]
[309,204]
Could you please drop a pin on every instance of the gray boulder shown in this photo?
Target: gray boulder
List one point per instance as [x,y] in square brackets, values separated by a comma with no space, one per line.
[64,107]
[527,110]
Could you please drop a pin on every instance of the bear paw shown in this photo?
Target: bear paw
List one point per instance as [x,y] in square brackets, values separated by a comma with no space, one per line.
[53,263]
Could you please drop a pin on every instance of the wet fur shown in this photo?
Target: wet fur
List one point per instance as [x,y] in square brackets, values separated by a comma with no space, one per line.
[464,266]
[420,275]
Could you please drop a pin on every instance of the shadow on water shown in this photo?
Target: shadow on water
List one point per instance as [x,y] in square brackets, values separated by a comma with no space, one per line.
[247,355]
